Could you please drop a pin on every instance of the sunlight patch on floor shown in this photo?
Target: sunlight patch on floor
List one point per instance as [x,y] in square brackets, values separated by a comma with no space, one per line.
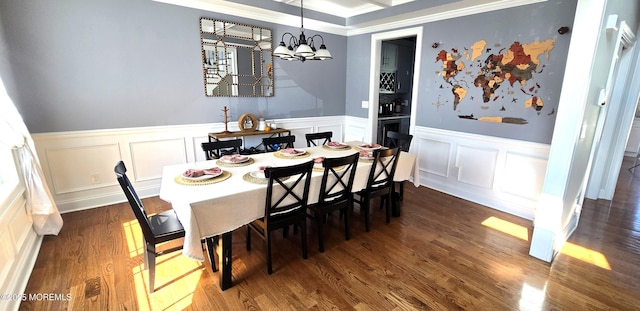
[507,227]
[532,298]
[133,236]
[585,254]
[176,280]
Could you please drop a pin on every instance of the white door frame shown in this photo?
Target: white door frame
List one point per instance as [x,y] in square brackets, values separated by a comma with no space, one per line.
[616,119]
[374,80]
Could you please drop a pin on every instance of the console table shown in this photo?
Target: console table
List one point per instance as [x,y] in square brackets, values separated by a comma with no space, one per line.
[235,134]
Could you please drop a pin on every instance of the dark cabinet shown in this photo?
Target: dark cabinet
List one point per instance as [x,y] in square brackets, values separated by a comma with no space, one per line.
[404,74]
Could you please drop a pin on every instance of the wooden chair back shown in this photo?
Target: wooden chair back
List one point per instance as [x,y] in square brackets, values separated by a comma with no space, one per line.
[216,149]
[134,201]
[313,137]
[394,139]
[337,179]
[272,144]
[384,166]
[287,198]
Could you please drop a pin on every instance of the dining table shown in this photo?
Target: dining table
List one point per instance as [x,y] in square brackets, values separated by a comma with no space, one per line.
[216,206]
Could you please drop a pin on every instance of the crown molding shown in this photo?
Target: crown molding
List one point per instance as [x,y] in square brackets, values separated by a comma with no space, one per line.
[453,10]
[443,12]
[246,11]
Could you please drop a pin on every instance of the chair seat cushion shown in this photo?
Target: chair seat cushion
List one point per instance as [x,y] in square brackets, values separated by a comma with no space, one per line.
[166,226]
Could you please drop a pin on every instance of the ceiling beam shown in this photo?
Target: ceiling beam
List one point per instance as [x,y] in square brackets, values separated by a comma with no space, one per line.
[382,3]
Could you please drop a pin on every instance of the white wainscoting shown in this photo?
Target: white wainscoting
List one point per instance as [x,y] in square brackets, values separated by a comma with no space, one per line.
[19,246]
[355,129]
[504,174]
[633,143]
[79,165]
[500,173]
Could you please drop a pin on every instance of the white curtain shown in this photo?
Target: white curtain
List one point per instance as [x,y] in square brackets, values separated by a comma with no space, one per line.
[39,202]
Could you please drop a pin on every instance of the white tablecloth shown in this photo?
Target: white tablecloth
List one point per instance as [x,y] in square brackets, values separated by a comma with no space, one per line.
[208,210]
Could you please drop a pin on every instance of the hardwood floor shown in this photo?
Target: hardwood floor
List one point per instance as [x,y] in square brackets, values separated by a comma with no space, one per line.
[442,253]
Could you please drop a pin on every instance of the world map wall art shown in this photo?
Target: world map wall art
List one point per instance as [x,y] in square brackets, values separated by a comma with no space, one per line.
[503,79]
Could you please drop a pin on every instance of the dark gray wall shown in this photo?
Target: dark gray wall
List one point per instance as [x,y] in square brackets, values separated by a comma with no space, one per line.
[537,22]
[101,64]
[358,73]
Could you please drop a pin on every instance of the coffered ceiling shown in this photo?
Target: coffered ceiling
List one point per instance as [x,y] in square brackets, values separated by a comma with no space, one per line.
[348,8]
[350,17]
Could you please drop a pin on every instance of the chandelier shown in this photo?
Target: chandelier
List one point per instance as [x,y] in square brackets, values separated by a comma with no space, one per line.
[303,48]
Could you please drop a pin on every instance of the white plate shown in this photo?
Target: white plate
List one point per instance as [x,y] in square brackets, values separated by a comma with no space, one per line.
[241,159]
[368,147]
[203,177]
[339,146]
[299,152]
[369,155]
[257,174]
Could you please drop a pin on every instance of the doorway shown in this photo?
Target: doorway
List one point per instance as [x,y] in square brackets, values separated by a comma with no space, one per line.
[396,85]
[373,133]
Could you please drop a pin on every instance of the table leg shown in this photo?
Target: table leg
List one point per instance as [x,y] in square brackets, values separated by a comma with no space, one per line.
[225,274]
[395,201]
[395,204]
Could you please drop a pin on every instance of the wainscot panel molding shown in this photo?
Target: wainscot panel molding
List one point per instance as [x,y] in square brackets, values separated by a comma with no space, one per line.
[19,247]
[355,129]
[503,174]
[500,173]
[79,165]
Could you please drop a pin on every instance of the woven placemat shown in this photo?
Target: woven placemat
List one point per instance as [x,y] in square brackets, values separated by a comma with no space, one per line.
[225,164]
[277,154]
[254,180]
[187,182]
[325,147]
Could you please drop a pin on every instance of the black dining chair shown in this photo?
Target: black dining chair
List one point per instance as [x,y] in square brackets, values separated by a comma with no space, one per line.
[216,149]
[285,205]
[395,139]
[272,144]
[379,183]
[335,193]
[392,140]
[156,229]
[313,137]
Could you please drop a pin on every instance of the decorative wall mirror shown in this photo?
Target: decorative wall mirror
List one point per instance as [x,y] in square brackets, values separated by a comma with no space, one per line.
[236,59]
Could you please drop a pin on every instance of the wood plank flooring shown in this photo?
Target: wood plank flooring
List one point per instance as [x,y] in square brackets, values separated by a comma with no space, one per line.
[442,253]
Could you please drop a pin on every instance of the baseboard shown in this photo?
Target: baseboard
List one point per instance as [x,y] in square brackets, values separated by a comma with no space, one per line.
[481,197]
[85,203]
